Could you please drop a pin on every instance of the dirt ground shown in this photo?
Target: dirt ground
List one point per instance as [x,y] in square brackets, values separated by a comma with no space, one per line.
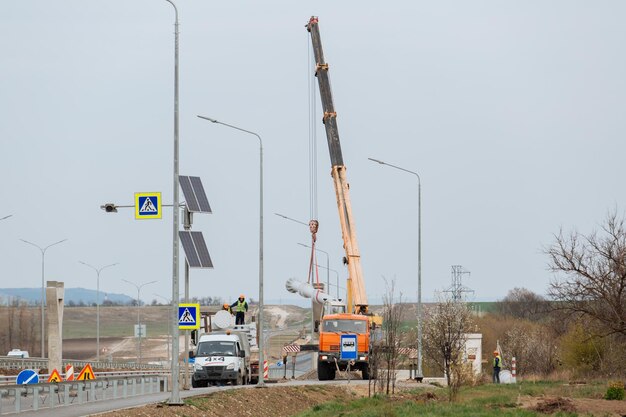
[282,401]
[118,344]
[273,401]
[586,406]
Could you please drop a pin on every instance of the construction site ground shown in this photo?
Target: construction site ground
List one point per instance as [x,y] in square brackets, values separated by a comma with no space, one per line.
[276,400]
[410,399]
[284,324]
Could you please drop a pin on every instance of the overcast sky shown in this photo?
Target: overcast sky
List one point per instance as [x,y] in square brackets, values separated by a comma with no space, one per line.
[512,112]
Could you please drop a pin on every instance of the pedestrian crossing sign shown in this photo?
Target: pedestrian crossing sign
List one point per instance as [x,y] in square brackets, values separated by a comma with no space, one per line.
[188,316]
[148,206]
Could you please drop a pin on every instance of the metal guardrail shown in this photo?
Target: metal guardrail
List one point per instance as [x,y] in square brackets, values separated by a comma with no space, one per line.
[11,379]
[279,373]
[39,363]
[33,397]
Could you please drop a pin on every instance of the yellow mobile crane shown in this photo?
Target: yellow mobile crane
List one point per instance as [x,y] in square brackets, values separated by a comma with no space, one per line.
[356,320]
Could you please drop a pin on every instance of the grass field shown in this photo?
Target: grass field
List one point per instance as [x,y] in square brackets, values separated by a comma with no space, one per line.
[481,401]
[80,322]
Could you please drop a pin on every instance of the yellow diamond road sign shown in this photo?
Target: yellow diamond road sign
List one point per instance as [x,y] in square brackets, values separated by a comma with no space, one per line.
[148,206]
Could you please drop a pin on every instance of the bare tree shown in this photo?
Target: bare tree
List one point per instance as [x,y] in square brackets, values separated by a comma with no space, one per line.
[445,329]
[392,315]
[593,268]
[533,345]
[373,365]
[524,304]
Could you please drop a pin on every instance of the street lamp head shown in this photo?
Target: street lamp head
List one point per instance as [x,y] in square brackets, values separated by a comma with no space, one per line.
[109,208]
[98,269]
[376,160]
[208,118]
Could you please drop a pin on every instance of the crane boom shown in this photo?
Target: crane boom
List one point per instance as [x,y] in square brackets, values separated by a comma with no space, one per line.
[356,297]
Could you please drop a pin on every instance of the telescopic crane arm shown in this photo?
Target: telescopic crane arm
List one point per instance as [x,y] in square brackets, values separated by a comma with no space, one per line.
[356,297]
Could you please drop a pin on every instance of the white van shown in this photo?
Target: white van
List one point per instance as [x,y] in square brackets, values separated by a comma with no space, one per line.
[17,353]
[221,358]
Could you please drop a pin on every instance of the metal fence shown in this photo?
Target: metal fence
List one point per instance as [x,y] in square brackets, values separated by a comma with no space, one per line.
[33,397]
[279,373]
[12,379]
[39,363]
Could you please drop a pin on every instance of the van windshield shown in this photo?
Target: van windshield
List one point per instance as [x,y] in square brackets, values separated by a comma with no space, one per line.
[216,348]
[348,326]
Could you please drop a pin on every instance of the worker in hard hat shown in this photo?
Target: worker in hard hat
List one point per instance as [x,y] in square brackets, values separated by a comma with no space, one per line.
[226,307]
[240,307]
[497,365]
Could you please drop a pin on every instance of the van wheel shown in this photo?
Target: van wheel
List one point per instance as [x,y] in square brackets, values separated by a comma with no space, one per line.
[198,384]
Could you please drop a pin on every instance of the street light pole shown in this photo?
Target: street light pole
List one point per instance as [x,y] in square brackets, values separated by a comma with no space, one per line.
[139,287]
[98,270]
[175,395]
[419,262]
[261,382]
[327,265]
[337,276]
[43,263]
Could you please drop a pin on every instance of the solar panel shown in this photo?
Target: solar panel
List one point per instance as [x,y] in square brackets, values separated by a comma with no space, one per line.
[190,197]
[195,196]
[195,248]
[203,252]
[198,190]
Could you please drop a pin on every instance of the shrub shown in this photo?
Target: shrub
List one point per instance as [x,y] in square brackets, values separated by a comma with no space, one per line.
[615,391]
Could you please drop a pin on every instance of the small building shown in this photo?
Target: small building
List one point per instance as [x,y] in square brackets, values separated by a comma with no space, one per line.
[473,352]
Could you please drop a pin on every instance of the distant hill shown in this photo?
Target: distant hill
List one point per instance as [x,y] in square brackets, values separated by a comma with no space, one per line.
[74,295]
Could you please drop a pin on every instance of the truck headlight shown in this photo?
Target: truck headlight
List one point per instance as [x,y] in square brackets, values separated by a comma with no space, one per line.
[197,367]
[231,366]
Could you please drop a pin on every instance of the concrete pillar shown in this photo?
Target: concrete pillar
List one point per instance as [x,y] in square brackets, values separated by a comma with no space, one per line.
[55,293]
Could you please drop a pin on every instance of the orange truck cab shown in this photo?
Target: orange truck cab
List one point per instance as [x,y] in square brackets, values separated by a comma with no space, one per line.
[331,329]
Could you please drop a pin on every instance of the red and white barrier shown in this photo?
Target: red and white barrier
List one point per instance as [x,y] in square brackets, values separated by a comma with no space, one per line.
[291,348]
[69,373]
[513,371]
[266,370]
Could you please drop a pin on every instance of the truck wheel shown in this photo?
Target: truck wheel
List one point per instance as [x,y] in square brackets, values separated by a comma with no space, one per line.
[365,371]
[238,381]
[194,383]
[323,371]
[331,372]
